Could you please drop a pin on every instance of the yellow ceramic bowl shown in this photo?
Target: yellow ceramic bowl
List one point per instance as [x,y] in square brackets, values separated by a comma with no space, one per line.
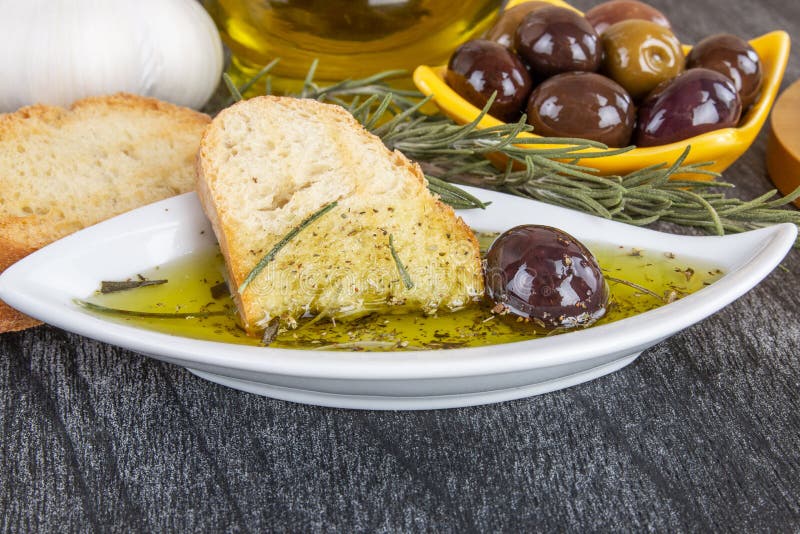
[722,146]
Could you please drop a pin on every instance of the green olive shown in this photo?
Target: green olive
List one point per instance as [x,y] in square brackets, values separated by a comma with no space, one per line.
[640,54]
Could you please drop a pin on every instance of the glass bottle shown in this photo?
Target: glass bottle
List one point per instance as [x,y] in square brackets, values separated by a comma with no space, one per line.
[350,38]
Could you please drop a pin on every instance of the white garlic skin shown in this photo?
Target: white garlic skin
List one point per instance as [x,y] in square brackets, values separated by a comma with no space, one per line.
[58,51]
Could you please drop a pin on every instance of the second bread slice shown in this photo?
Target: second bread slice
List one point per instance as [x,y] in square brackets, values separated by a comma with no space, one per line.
[65,169]
[268,163]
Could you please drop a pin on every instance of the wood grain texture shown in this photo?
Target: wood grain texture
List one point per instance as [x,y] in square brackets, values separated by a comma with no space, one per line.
[701,433]
[783,143]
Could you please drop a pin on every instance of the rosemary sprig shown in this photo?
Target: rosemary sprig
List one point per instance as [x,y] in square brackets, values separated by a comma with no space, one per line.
[545,169]
[113,286]
[454,196]
[236,94]
[637,287]
[369,345]
[400,267]
[149,315]
[282,243]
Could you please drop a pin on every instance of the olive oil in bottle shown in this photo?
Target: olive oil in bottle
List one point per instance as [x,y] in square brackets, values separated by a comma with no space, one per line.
[350,38]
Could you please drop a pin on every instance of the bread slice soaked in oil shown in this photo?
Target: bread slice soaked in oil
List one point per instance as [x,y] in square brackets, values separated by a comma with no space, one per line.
[266,164]
[63,169]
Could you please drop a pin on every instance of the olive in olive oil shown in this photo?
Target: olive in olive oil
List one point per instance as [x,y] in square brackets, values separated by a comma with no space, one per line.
[350,38]
[639,281]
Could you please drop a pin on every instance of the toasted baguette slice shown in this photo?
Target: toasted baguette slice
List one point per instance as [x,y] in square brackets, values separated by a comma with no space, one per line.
[268,163]
[64,169]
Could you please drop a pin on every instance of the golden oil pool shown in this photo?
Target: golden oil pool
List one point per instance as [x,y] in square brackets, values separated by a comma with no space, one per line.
[639,280]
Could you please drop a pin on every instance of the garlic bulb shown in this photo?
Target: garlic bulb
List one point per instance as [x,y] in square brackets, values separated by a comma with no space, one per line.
[58,51]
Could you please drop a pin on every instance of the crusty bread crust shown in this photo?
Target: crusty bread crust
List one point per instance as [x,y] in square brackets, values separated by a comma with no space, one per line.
[13,321]
[11,251]
[64,169]
[267,163]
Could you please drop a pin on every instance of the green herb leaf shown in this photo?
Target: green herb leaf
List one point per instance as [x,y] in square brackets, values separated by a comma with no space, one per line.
[454,196]
[154,315]
[235,94]
[400,267]
[282,243]
[125,285]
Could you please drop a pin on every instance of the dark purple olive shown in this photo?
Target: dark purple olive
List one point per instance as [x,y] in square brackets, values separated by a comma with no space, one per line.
[582,104]
[505,28]
[556,39]
[733,57]
[479,68]
[695,102]
[607,14]
[546,275]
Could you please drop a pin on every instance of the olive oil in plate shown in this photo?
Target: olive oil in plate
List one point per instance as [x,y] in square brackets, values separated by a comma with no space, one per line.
[190,304]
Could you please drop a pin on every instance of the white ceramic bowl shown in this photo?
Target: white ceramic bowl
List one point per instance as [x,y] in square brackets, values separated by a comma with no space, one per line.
[45,284]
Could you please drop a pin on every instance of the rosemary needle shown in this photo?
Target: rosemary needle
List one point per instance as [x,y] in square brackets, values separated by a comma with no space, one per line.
[107,286]
[282,243]
[150,315]
[235,94]
[400,267]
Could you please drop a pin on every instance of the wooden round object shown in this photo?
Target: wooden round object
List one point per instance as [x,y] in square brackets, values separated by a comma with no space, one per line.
[783,146]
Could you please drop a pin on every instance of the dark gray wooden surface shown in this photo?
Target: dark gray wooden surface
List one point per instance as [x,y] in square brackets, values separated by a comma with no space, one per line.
[702,433]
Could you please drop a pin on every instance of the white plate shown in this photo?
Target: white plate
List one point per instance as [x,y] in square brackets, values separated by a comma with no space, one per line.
[45,283]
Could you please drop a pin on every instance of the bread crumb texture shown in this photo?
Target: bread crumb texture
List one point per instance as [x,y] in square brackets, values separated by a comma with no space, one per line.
[64,169]
[268,163]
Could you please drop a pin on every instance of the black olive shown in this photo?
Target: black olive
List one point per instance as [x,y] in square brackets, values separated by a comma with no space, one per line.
[479,68]
[556,39]
[547,276]
[505,28]
[607,14]
[733,57]
[582,104]
[695,102]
